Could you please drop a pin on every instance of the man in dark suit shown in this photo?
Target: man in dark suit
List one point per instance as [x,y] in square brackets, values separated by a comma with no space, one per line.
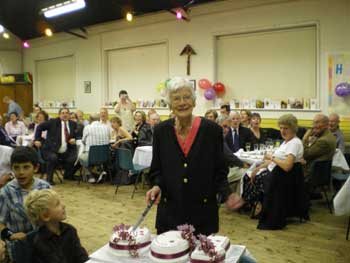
[5,139]
[238,136]
[59,144]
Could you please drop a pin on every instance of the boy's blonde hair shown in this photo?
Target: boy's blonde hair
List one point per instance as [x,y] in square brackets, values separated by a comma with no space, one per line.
[37,202]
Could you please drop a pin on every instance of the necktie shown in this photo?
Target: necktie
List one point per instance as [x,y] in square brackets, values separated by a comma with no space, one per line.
[235,141]
[66,132]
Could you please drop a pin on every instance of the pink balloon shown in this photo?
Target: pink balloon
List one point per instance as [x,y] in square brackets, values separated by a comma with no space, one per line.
[204,84]
[209,94]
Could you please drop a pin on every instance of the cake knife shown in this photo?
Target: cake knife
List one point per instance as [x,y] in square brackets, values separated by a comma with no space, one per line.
[143,216]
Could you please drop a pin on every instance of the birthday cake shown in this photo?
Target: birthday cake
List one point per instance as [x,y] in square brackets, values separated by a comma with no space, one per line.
[211,249]
[173,246]
[125,242]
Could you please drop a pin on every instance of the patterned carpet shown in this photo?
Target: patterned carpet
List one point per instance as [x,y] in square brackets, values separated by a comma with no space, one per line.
[93,211]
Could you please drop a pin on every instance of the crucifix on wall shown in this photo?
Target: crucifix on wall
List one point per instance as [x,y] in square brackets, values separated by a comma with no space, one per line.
[189,51]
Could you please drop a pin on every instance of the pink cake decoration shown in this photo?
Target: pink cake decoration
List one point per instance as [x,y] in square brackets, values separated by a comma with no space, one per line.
[187,233]
[123,234]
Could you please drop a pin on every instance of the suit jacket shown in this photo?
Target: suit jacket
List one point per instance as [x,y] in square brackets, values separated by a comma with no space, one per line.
[189,184]
[321,149]
[53,140]
[245,136]
[145,135]
[5,138]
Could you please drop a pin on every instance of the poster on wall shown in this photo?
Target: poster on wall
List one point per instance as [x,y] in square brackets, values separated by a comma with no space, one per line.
[339,83]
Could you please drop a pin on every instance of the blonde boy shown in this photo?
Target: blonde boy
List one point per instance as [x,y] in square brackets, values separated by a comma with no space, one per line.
[55,241]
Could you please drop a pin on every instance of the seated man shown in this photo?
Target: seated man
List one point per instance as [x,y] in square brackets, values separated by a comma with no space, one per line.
[59,144]
[238,136]
[319,143]
[96,133]
[334,128]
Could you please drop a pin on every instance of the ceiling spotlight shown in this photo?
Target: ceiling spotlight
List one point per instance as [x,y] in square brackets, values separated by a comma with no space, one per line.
[63,8]
[2,29]
[26,44]
[129,16]
[178,15]
[48,32]
[6,35]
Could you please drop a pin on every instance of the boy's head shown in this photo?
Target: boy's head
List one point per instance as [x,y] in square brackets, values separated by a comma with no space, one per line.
[43,206]
[24,163]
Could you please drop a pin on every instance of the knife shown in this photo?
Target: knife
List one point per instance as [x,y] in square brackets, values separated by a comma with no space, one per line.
[143,216]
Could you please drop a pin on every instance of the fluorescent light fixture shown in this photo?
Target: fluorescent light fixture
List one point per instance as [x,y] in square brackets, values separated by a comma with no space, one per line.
[2,29]
[63,8]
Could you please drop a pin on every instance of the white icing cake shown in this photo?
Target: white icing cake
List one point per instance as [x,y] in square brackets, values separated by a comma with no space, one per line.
[123,242]
[169,247]
[221,244]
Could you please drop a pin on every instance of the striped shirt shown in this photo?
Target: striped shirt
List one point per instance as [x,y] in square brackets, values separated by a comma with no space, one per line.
[95,133]
[12,213]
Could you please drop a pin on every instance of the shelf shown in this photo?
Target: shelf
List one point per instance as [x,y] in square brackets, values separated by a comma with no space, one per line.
[262,109]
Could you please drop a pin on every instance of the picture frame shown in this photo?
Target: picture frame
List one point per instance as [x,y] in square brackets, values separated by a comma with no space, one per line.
[193,81]
[87,86]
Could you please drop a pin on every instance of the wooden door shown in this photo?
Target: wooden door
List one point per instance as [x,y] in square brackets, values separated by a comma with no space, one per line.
[6,90]
[24,97]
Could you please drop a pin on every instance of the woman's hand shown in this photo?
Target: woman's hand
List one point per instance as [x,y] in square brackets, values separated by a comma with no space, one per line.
[268,157]
[234,201]
[154,193]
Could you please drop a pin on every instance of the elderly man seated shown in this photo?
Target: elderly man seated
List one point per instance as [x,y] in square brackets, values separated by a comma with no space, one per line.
[238,136]
[319,143]
[237,168]
[334,128]
[96,133]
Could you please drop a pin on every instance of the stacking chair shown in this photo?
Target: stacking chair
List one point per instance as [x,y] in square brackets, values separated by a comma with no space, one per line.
[99,155]
[125,163]
[321,178]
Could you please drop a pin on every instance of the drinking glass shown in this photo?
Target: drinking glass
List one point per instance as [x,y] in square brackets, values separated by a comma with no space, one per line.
[247,147]
[256,147]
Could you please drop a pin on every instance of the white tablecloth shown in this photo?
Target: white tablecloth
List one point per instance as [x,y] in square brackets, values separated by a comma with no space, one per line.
[5,157]
[80,149]
[143,156]
[103,256]
[339,160]
[24,140]
[341,201]
[250,157]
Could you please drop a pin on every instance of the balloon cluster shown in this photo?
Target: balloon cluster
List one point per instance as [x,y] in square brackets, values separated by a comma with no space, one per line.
[211,91]
[342,89]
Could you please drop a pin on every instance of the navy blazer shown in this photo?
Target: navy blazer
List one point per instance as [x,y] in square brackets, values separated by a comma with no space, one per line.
[53,140]
[190,184]
[245,136]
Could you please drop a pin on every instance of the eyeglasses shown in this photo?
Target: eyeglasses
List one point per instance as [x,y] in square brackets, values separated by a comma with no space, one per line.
[185,98]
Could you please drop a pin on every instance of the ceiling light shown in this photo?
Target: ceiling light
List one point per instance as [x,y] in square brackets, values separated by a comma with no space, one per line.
[26,44]
[2,29]
[129,16]
[6,35]
[178,15]
[63,8]
[48,32]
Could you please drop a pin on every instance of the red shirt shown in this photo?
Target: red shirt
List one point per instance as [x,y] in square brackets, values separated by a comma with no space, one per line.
[186,144]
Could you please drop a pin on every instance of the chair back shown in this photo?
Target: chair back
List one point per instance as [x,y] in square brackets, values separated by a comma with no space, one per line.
[125,159]
[99,154]
[321,173]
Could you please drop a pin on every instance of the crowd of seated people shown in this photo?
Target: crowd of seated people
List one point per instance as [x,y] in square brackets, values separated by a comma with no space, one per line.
[55,139]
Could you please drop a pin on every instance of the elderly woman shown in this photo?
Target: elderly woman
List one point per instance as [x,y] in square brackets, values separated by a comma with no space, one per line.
[271,186]
[14,127]
[211,115]
[188,170]
[245,118]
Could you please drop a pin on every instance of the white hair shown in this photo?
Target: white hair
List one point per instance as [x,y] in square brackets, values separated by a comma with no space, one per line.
[233,113]
[176,83]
